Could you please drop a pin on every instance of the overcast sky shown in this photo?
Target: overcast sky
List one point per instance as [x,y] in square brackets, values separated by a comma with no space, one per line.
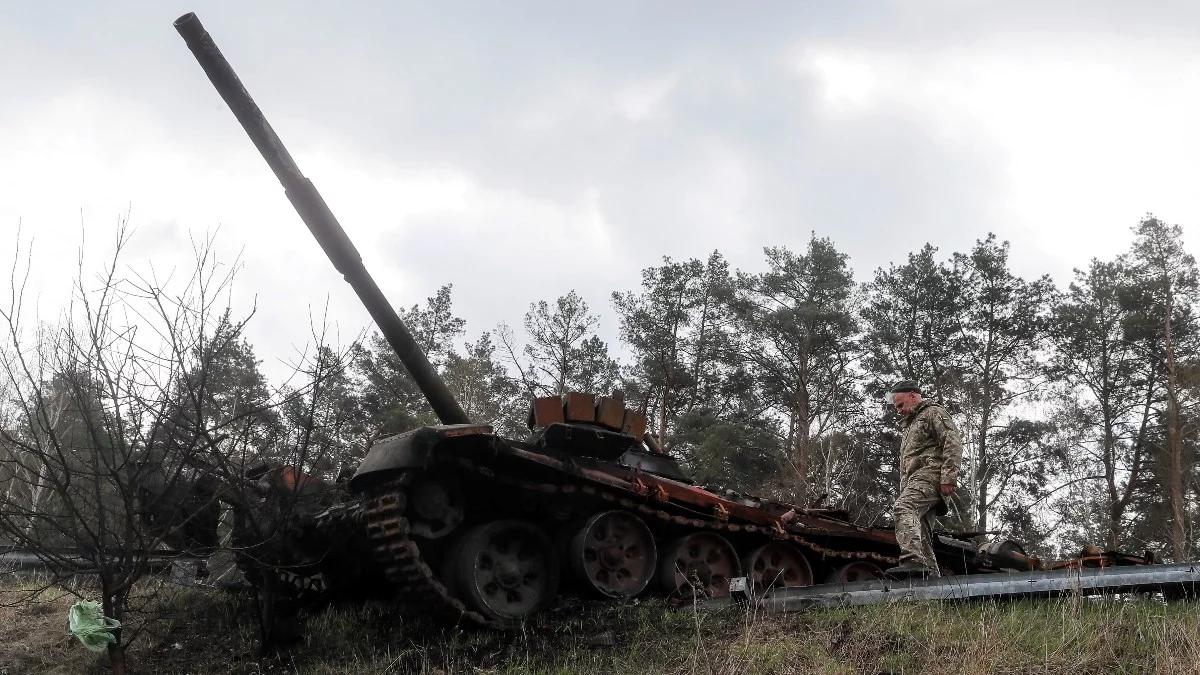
[518,150]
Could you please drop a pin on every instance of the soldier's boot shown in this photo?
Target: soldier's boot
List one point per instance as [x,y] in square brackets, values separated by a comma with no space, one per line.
[909,569]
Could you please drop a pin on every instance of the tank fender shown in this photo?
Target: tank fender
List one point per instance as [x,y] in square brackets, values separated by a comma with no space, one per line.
[409,450]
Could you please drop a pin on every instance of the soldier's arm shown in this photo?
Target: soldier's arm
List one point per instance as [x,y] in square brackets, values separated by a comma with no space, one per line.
[952,448]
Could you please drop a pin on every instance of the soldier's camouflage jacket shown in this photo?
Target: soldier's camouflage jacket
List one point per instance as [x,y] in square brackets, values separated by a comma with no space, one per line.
[931,444]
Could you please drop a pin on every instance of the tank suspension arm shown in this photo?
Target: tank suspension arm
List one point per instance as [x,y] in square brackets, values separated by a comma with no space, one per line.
[320,220]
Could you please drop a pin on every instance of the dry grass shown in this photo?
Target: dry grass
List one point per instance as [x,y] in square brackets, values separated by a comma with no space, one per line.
[205,632]
[33,631]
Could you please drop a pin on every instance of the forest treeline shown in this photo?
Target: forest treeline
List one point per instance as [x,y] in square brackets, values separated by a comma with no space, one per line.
[1078,400]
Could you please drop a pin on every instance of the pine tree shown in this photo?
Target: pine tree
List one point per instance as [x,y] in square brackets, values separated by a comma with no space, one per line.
[796,327]
[1001,333]
[675,327]
[563,353]
[1105,388]
[1164,295]
[390,401]
[910,316]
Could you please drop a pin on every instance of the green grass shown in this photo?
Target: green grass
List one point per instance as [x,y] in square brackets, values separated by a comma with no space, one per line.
[206,631]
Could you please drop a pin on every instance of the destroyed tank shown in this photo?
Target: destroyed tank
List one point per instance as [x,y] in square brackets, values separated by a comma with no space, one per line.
[458,522]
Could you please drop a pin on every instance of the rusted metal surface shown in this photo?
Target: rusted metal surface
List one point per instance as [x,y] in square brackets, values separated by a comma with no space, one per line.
[703,562]
[634,423]
[777,565]
[546,410]
[610,412]
[706,502]
[579,407]
[507,569]
[1095,557]
[414,579]
[853,572]
[414,583]
[614,553]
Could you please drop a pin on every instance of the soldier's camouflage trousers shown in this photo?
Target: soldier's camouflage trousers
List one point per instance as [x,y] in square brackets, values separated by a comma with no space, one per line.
[914,513]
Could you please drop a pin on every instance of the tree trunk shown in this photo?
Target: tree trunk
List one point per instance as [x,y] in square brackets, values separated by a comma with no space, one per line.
[1115,507]
[116,650]
[116,658]
[1139,446]
[800,447]
[670,366]
[662,421]
[981,468]
[698,361]
[1175,469]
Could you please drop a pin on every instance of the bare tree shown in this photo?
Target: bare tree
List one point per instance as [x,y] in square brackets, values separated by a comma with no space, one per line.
[126,426]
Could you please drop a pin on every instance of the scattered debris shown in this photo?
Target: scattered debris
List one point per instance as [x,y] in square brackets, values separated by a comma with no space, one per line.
[87,622]
[602,639]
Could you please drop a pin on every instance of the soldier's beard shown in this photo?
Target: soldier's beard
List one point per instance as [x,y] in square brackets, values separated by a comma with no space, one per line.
[903,406]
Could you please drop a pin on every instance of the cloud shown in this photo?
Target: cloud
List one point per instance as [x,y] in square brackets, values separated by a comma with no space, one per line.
[1083,134]
[520,151]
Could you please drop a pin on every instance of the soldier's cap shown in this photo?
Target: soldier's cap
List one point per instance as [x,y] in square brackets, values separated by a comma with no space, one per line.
[903,386]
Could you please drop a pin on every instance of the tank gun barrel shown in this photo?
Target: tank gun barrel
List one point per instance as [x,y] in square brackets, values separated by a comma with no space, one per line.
[320,220]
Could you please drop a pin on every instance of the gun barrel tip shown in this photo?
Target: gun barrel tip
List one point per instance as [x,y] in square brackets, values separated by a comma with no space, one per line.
[186,18]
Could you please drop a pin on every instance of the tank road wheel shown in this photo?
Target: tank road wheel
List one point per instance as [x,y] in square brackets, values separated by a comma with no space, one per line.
[853,572]
[505,569]
[613,553]
[435,507]
[703,560]
[777,565]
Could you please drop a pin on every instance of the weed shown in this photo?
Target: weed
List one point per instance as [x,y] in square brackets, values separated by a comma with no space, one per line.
[202,631]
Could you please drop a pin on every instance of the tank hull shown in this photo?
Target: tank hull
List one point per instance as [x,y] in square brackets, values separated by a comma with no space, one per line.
[398,530]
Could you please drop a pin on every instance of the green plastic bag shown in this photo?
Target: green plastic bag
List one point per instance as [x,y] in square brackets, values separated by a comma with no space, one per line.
[92,628]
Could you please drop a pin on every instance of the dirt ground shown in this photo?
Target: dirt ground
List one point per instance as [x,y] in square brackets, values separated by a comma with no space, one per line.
[209,631]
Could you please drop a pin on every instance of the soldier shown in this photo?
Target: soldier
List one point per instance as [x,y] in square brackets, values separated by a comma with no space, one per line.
[930,452]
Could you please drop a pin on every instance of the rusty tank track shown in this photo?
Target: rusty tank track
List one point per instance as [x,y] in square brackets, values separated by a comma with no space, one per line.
[417,584]
[289,575]
[414,580]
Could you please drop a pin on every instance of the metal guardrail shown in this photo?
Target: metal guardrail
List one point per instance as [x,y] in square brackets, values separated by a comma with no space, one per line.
[1179,580]
[72,562]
